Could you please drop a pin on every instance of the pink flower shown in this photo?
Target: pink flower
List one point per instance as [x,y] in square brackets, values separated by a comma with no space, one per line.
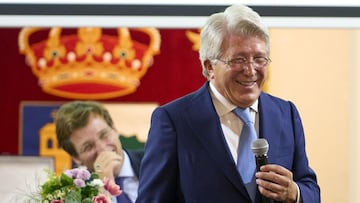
[100,199]
[79,183]
[112,187]
[83,174]
[69,173]
[57,201]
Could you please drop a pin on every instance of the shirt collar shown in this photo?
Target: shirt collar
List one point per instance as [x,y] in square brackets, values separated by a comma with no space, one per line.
[126,169]
[226,106]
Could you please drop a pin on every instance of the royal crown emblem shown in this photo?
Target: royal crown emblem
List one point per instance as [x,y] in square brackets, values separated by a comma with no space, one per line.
[89,63]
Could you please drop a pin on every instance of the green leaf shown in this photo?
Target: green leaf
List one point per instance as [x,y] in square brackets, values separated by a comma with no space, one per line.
[87,200]
[94,176]
[73,197]
[50,185]
[89,191]
[66,180]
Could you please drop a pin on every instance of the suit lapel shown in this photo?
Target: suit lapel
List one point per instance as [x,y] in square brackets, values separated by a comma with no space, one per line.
[202,113]
[269,125]
[135,159]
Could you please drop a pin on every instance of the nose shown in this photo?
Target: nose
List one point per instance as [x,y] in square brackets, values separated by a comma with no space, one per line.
[249,68]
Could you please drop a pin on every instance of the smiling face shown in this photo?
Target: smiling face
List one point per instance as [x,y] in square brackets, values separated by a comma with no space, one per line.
[92,139]
[241,87]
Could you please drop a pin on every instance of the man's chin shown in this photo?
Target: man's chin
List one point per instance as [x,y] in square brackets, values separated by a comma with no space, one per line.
[248,99]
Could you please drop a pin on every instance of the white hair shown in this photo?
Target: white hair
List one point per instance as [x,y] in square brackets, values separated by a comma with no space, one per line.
[236,19]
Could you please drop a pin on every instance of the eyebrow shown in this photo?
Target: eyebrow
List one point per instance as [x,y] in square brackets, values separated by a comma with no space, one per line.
[103,131]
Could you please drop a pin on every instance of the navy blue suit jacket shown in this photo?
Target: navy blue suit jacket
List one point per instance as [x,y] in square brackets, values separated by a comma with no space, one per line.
[187,158]
[135,157]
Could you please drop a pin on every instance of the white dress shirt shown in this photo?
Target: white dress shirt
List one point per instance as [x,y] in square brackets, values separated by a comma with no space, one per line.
[230,123]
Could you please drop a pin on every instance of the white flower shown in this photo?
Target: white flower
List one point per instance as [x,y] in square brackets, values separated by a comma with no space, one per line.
[97,182]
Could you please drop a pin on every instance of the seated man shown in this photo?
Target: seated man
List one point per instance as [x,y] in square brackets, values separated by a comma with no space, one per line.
[85,130]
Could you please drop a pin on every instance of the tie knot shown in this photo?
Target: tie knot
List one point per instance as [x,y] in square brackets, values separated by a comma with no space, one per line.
[243,114]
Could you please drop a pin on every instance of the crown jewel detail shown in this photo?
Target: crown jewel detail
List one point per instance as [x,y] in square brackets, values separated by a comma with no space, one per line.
[89,63]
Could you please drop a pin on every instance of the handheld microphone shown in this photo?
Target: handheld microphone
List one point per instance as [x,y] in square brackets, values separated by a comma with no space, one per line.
[260,148]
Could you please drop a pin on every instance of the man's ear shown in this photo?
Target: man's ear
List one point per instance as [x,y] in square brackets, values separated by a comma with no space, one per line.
[209,66]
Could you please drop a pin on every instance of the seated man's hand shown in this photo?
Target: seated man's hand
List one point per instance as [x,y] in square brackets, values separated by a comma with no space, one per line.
[108,164]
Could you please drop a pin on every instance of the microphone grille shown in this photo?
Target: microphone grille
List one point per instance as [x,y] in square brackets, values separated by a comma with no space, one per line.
[260,147]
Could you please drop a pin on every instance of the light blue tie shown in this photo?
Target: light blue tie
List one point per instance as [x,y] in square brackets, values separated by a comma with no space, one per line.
[246,164]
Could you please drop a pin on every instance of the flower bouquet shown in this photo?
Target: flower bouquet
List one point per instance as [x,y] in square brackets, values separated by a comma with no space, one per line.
[76,185]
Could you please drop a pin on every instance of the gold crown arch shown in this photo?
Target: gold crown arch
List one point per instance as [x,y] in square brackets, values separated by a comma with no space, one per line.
[90,64]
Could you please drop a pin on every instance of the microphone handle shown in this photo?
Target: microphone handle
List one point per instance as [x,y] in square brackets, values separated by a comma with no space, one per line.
[260,161]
